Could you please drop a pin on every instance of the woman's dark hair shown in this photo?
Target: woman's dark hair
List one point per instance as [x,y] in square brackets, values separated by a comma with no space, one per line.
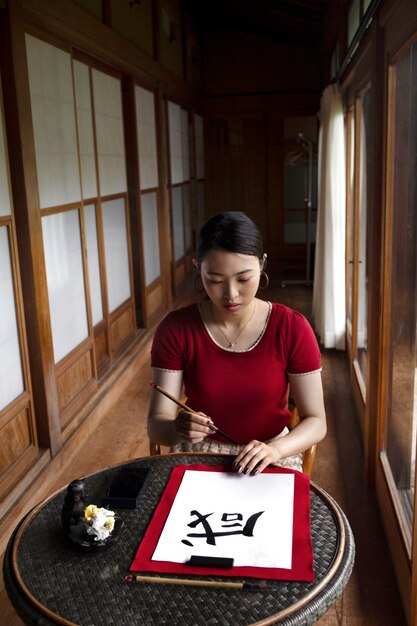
[232,231]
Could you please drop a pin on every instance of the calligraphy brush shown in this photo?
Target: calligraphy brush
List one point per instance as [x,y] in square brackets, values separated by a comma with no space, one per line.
[187,408]
[255,586]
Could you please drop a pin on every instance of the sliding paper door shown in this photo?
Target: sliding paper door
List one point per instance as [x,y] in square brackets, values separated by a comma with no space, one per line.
[18,437]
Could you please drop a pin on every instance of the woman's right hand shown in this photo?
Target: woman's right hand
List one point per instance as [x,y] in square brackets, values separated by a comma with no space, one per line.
[193,427]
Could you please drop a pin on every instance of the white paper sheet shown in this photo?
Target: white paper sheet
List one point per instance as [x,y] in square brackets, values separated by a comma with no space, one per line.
[257,509]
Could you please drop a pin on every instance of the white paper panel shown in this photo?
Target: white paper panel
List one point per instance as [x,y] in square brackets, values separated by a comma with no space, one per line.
[53,113]
[186,199]
[85,129]
[109,130]
[146,126]
[199,146]
[93,263]
[185,145]
[65,277]
[116,252]
[175,143]
[150,237]
[11,377]
[177,212]
[5,201]
[231,501]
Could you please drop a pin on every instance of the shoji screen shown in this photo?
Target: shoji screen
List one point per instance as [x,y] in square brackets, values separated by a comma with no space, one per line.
[93,259]
[18,443]
[149,181]
[65,275]
[109,128]
[112,218]
[54,125]
[52,99]
[84,110]
[180,189]
[11,374]
[175,144]
[81,166]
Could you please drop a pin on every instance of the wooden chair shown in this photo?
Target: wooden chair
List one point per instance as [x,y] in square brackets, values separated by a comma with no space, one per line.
[308,455]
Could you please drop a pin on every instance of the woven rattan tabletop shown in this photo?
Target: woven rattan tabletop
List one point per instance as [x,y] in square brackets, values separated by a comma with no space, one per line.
[49,582]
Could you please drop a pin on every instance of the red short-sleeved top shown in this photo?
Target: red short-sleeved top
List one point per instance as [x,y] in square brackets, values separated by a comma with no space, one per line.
[245,393]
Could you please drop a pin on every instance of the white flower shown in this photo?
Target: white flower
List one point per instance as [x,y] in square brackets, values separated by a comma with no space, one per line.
[100,521]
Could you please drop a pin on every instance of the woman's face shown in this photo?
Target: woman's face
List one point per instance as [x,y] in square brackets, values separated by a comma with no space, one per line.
[231,280]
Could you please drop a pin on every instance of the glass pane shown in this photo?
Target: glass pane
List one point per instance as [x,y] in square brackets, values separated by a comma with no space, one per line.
[11,377]
[350,208]
[146,125]
[353,19]
[364,195]
[85,129]
[116,252]
[110,134]
[5,203]
[175,143]
[53,115]
[178,223]
[400,437]
[93,263]
[65,277]
[300,178]
[295,226]
[185,145]
[150,237]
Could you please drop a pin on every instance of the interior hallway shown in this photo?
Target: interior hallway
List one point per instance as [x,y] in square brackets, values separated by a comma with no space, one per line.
[371,597]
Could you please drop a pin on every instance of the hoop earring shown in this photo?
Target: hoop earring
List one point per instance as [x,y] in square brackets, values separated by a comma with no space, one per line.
[198,290]
[265,277]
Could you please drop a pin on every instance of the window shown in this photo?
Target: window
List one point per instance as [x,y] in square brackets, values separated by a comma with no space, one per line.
[400,298]
[363,199]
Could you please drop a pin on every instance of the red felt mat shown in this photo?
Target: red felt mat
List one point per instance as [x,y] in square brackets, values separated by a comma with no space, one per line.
[302,553]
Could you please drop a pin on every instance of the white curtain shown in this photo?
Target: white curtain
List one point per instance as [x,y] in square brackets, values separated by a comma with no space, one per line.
[329,273]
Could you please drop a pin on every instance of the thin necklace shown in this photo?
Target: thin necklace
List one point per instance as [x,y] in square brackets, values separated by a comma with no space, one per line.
[231,343]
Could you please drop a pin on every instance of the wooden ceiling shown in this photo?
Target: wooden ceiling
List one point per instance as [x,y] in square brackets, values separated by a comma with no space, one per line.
[299,22]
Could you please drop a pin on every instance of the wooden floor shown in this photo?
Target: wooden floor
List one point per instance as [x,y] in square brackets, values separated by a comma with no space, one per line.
[371,597]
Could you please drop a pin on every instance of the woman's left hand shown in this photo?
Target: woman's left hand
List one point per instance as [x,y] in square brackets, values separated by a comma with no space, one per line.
[254,458]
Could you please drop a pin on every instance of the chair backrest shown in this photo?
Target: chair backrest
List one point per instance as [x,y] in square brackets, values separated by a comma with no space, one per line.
[154,448]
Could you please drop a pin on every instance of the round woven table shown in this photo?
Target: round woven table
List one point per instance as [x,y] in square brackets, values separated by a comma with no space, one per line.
[49,582]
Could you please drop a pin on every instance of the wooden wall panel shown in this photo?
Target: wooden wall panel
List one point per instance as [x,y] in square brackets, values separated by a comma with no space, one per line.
[100,346]
[133,20]
[75,378]
[121,327]
[243,63]
[15,437]
[155,298]
[170,36]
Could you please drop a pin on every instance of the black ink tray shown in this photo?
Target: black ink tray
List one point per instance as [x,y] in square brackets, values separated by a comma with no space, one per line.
[125,488]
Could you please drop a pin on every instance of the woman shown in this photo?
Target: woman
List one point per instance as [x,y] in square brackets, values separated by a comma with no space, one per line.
[235,355]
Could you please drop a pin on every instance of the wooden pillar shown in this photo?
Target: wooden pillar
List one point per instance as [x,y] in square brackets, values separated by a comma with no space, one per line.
[19,131]
[133,184]
[163,201]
